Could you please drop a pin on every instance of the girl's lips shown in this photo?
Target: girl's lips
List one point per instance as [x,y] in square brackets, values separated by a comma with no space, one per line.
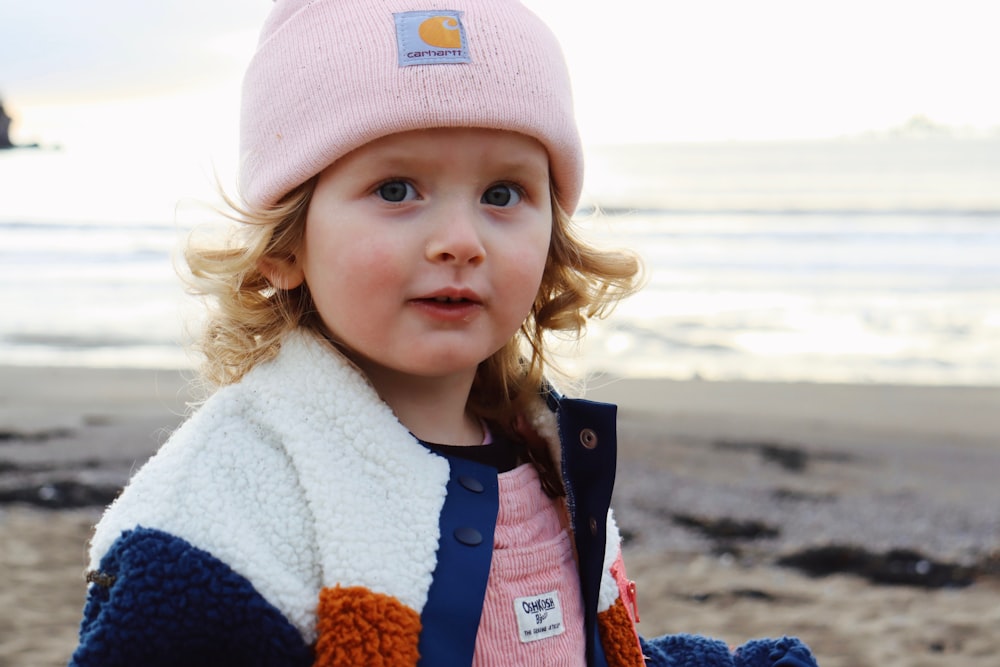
[452,295]
[450,307]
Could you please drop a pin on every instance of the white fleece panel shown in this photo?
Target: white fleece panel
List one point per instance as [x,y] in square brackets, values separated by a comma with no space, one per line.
[609,586]
[299,478]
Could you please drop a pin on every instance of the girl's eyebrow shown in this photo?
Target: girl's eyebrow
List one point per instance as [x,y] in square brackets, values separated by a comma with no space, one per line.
[526,164]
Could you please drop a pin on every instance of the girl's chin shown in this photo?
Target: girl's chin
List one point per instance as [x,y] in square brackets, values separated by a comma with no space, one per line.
[421,364]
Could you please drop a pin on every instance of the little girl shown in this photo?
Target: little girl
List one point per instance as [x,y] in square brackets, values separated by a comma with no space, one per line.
[383,476]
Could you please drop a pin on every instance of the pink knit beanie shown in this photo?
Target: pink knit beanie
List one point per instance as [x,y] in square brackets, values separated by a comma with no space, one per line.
[329,76]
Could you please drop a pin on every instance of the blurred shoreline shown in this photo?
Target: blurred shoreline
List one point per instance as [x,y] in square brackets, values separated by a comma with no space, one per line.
[866,259]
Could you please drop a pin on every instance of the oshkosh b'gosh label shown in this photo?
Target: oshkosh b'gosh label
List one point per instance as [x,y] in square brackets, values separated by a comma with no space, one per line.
[539,616]
[435,37]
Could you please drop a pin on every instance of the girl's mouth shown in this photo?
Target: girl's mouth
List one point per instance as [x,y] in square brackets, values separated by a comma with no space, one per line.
[454,306]
[452,295]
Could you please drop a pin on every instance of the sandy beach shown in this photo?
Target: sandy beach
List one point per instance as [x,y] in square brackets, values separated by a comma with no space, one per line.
[729,495]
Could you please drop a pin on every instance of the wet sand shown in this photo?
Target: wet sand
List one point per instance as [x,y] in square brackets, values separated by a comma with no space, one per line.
[716,483]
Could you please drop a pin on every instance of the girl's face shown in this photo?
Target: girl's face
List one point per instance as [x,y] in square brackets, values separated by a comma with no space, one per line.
[423,251]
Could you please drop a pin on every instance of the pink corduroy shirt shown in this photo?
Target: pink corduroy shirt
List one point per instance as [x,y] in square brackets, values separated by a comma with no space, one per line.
[533,610]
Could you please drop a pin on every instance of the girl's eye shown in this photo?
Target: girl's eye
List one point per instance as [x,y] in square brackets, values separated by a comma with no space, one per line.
[396,191]
[501,195]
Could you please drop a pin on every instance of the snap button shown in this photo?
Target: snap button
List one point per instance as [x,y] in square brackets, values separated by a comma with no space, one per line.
[588,438]
[471,484]
[593,526]
[470,537]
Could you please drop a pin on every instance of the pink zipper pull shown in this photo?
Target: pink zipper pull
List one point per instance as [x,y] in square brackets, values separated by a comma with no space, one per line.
[633,599]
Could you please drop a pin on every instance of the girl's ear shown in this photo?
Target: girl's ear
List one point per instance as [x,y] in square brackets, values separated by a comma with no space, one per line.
[284,274]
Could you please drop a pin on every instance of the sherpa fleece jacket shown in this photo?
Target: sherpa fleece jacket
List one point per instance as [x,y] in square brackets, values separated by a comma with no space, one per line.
[292,520]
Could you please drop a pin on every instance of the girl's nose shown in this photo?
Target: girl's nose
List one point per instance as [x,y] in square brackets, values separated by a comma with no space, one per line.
[456,238]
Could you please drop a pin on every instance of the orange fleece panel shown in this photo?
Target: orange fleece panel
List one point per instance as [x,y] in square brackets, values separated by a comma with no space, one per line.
[355,626]
[621,645]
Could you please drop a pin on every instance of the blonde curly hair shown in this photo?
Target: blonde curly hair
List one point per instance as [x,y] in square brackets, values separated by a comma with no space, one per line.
[248,317]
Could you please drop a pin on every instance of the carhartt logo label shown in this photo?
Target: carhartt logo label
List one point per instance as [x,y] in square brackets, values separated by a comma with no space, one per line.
[431,38]
[539,616]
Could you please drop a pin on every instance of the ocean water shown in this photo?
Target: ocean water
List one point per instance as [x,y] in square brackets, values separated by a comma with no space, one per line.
[870,260]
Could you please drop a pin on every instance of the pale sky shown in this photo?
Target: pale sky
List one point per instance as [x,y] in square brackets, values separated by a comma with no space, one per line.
[144,96]
[643,70]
